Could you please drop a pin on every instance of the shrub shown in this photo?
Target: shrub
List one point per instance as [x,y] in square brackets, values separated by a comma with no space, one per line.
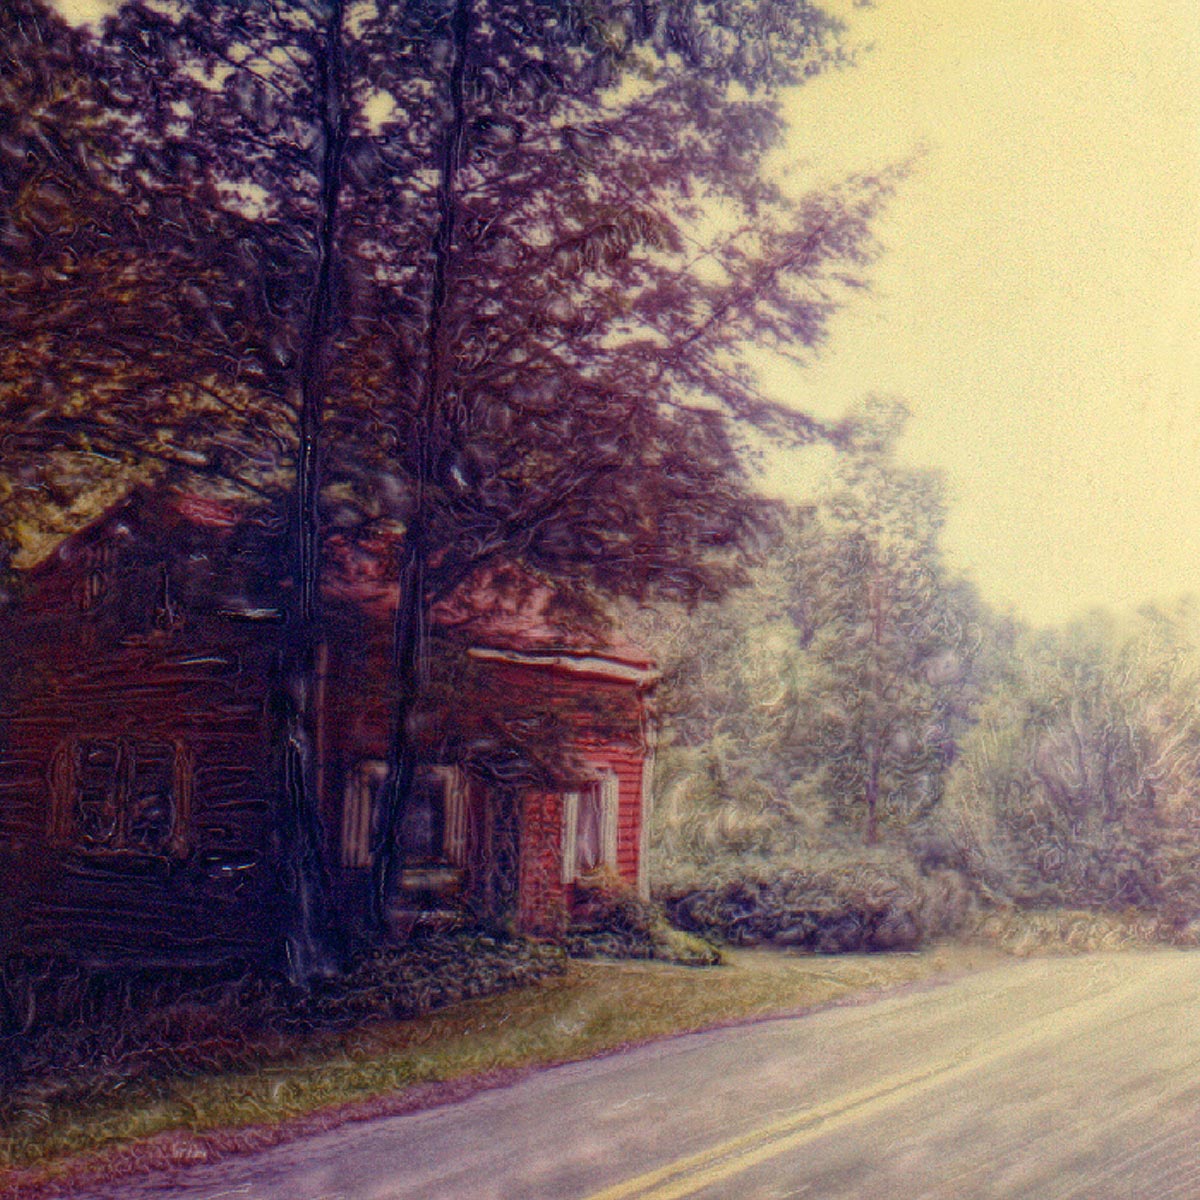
[613,921]
[830,907]
[427,973]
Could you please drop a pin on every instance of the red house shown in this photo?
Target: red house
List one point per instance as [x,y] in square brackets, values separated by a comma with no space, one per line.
[140,785]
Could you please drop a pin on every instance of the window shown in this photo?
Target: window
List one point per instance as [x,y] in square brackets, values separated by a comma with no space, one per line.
[363,786]
[422,827]
[435,821]
[122,794]
[589,837]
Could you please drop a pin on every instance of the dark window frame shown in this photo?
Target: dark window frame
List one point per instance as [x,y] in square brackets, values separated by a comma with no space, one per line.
[440,797]
[113,810]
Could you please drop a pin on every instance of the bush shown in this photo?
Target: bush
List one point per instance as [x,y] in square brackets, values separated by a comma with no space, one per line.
[611,920]
[428,973]
[831,907]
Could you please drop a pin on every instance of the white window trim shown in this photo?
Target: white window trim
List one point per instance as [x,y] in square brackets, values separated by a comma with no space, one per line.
[358,811]
[570,833]
[455,815]
[610,811]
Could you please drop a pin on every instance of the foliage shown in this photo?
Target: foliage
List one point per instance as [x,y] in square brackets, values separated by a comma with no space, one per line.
[721,779]
[894,652]
[462,260]
[612,920]
[829,904]
[112,1028]
[862,691]
[427,974]
[1053,768]
[1078,786]
[1080,931]
[826,703]
[111,370]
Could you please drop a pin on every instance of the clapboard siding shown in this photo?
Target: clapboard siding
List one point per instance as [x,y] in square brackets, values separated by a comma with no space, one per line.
[601,727]
[118,644]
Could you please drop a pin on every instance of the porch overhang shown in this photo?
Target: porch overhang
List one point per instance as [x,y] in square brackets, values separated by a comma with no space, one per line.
[592,666]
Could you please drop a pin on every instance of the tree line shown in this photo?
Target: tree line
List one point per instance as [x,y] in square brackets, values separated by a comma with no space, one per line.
[862,704]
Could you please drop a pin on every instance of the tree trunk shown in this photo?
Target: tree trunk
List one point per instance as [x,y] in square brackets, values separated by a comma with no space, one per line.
[408,655]
[876,586]
[409,647]
[871,832]
[312,935]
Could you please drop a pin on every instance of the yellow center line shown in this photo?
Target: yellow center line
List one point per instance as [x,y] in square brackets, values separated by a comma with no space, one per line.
[689,1175]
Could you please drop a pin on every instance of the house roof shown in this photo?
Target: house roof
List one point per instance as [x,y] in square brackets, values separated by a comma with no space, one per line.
[508,608]
[586,666]
[501,609]
[162,507]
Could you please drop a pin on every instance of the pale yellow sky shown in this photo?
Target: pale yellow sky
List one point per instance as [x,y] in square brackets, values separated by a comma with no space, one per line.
[1037,303]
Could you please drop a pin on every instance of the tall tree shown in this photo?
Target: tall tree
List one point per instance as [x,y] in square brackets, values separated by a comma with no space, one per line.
[442,256]
[570,315]
[895,637]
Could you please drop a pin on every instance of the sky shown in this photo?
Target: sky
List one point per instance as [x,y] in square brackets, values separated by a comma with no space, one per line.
[1037,301]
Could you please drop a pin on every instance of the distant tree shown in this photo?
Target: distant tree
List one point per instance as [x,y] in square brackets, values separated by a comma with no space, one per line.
[1078,786]
[895,637]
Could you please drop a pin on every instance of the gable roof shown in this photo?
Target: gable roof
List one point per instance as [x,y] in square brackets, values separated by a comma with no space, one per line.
[502,608]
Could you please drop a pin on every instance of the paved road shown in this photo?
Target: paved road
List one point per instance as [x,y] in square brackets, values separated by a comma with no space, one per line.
[1044,1079]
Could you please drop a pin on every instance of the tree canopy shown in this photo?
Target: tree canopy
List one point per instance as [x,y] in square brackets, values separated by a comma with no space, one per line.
[517,317]
[896,642]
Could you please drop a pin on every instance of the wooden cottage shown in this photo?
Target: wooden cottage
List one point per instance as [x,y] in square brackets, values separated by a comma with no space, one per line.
[140,780]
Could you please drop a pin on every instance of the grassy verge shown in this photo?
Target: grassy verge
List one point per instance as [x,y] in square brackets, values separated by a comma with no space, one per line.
[309,1081]
[1020,932]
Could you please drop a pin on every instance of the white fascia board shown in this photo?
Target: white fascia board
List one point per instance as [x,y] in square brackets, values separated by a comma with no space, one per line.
[575,664]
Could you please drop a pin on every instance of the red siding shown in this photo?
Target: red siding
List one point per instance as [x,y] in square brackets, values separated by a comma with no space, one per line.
[608,734]
[210,899]
[141,662]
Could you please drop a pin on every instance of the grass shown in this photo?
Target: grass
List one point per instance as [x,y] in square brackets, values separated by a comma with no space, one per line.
[303,1082]
[1021,932]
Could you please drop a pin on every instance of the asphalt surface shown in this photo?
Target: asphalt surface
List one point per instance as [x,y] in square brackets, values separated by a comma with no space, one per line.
[1046,1079]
